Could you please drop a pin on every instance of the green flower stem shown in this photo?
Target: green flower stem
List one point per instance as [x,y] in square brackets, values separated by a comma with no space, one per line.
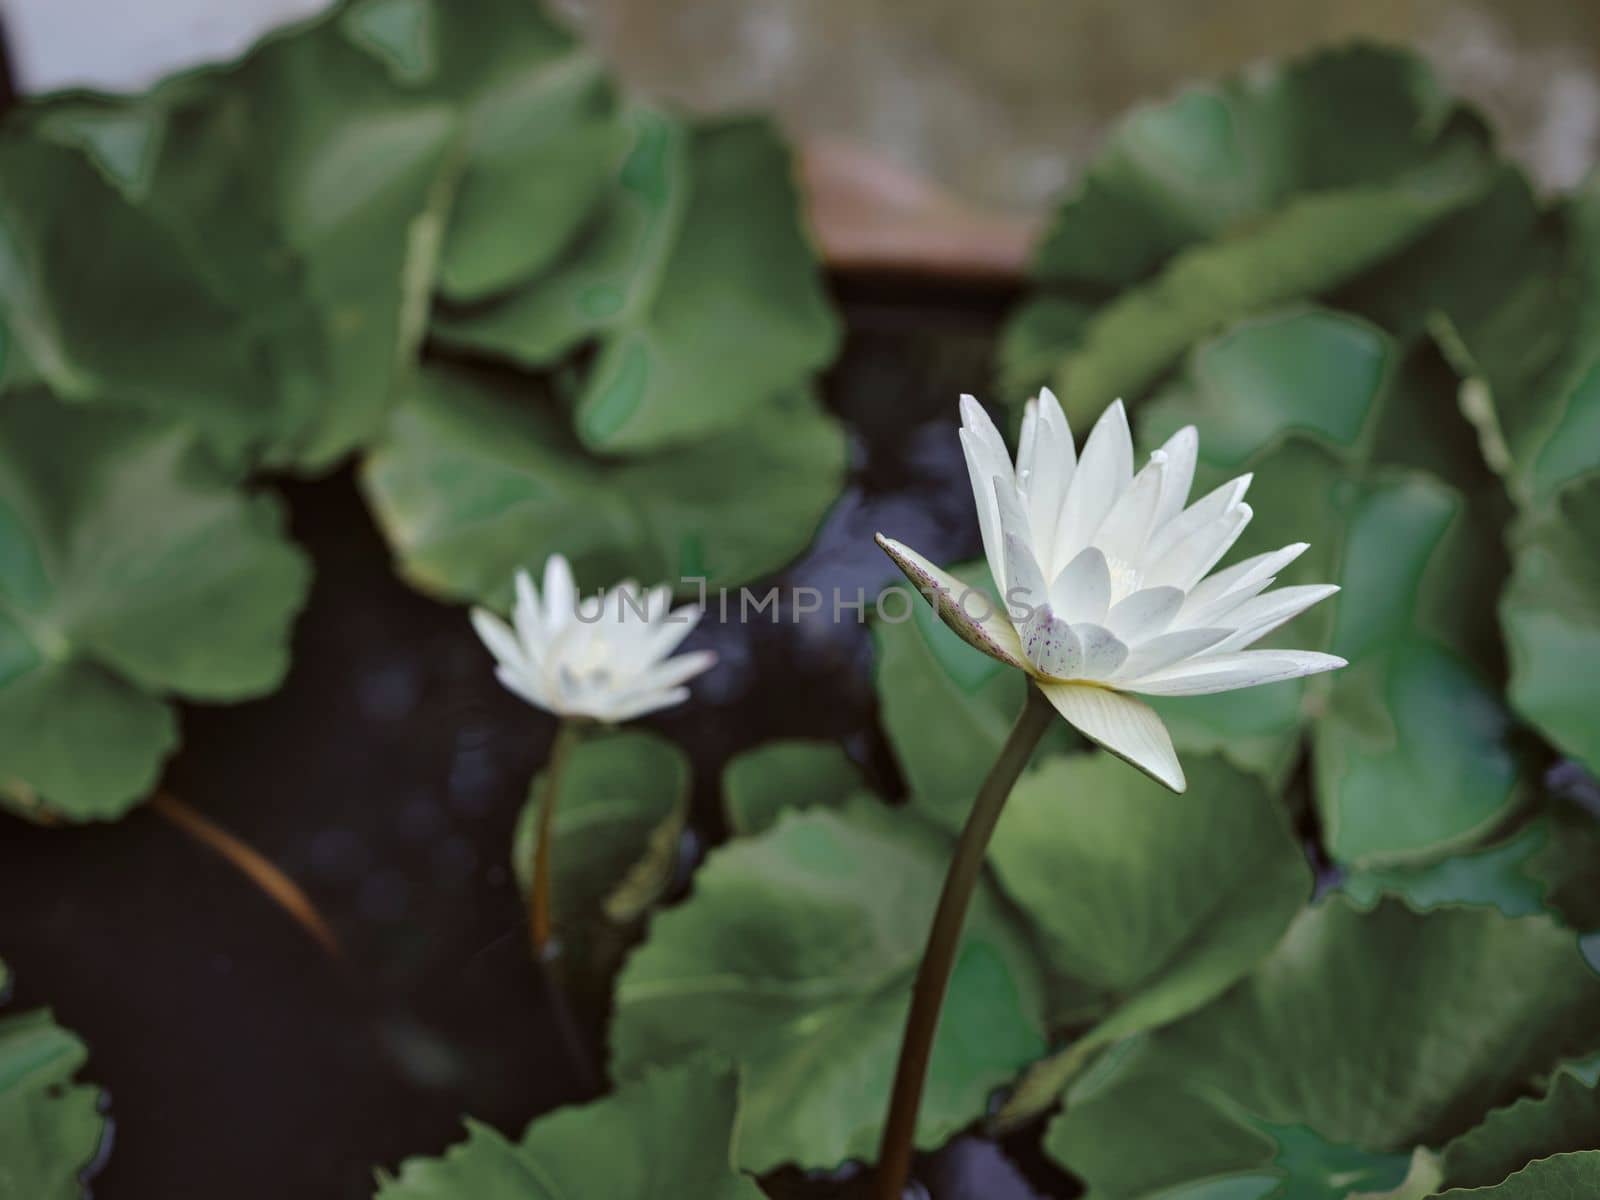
[539,893]
[944,940]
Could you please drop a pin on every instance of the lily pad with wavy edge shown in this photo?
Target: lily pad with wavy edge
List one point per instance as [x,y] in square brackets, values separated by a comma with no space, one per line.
[701,287]
[1323,410]
[51,1127]
[794,957]
[669,1133]
[1212,207]
[1380,1029]
[131,570]
[480,475]
[1153,901]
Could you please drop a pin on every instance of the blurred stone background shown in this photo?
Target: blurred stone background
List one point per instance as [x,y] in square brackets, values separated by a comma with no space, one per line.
[1000,102]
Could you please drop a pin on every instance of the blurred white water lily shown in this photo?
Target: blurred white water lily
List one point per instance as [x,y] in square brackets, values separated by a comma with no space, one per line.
[607,658]
[1104,575]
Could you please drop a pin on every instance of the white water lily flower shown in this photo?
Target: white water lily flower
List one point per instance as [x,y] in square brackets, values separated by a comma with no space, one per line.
[1104,574]
[606,658]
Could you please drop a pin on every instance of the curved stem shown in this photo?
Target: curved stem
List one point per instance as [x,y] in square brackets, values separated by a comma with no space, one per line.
[253,865]
[944,940]
[539,892]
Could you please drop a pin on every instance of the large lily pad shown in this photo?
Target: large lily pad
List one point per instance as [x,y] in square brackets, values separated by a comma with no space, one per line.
[1216,206]
[1560,1177]
[670,1133]
[701,286]
[130,570]
[1377,1029]
[1362,454]
[795,956]
[1563,1119]
[480,474]
[1154,902]
[51,1127]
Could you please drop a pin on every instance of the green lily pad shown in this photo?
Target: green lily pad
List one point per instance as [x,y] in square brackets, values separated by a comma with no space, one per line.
[1325,411]
[1154,901]
[623,802]
[480,474]
[1562,1177]
[1563,1119]
[1380,1029]
[671,1132]
[794,957]
[1208,208]
[1504,876]
[1551,615]
[130,570]
[760,785]
[51,1127]
[701,286]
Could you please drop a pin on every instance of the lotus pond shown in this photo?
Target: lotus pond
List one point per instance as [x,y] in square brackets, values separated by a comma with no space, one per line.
[303,357]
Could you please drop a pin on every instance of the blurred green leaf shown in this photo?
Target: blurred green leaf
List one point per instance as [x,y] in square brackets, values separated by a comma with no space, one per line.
[480,474]
[701,286]
[1232,199]
[130,569]
[1560,1177]
[1564,1118]
[760,785]
[1344,438]
[1158,902]
[51,1128]
[1503,876]
[1377,1029]
[669,1133]
[1551,615]
[794,957]
[623,803]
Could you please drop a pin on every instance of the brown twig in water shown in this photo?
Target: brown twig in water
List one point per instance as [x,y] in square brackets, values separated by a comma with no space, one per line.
[253,865]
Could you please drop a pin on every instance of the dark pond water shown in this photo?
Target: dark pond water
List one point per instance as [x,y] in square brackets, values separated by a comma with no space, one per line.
[385,776]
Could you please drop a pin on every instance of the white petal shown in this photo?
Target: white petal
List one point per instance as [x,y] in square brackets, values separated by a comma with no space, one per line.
[1013,524]
[560,593]
[1027,438]
[1181,449]
[615,710]
[1050,644]
[1104,472]
[668,634]
[1127,727]
[1048,473]
[677,670]
[1227,672]
[1259,616]
[976,619]
[982,467]
[528,688]
[1166,650]
[1082,592]
[502,642]
[1103,651]
[1126,529]
[528,617]
[1217,594]
[1025,590]
[1197,516]
[1144,614]
[1185,564]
